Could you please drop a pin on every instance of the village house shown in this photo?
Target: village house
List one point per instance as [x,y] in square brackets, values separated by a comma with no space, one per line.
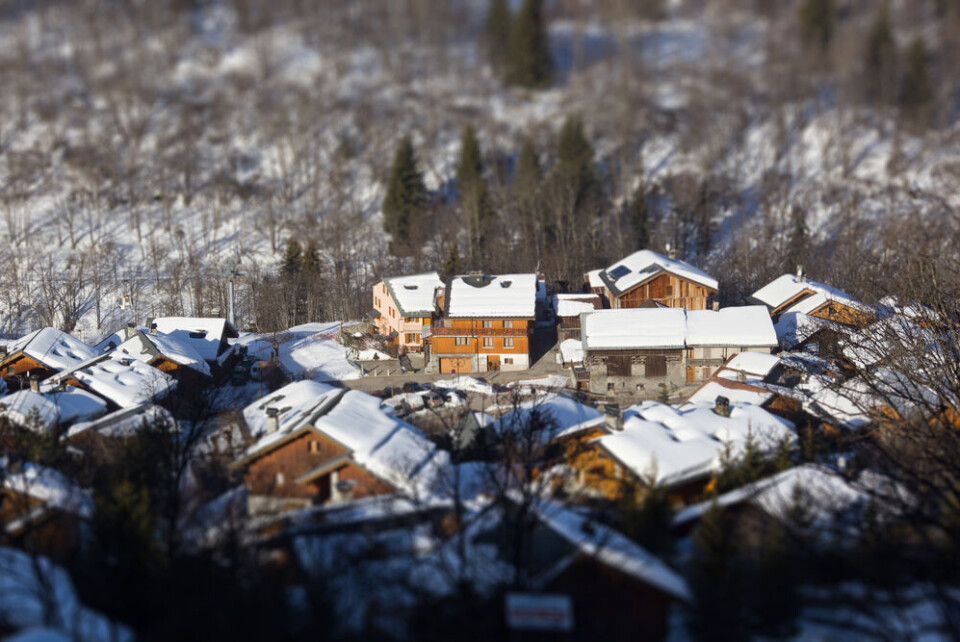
[569,307]
[41,510]
[42,353]
[795,293]
[646,277]
[105,435]
[629,350]
[208,336]
[487,324]
[403,306]
[165,353]
[680,448]
[317,444]
[46,409]
[123,381]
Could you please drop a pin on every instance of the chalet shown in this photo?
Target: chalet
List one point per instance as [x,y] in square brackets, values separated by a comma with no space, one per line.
[487,324]
[647,276]
[51,408]
[167,354]
[678,448]
[318,444]
[105,433]
[795,293]
[207,336]
[41,509]
[124,382]
[627,349]
[549,425]
[569,307]
[403,306]
[42,353]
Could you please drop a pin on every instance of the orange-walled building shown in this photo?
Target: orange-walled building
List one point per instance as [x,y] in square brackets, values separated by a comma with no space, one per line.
[404,305]
[487,324]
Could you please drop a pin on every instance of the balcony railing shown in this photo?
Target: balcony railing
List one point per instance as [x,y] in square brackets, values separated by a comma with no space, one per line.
[441,331]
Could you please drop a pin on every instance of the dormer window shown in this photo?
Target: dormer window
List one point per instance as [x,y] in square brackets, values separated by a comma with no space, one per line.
[198,334]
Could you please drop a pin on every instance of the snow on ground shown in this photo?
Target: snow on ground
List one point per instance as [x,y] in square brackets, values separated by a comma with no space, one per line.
[466,384]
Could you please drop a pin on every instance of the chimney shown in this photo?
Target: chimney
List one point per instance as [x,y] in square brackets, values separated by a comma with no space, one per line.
[273,420]
[153,329]
[722,406]
[35,382]
[801,277]
[742,376]
[129,330]
[716,306]
[671,251]
[3,350]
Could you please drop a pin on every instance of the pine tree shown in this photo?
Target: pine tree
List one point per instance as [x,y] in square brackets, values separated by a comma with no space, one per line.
[528,175]
[311,258]
[575,168]
[916,92]
[817,18]
[497,33]
[799,238]
[451,265]
[716,581]
[649,521]
[639,211]
[406,193]
[293,258]
[473,192]
[881,57]
[529,63]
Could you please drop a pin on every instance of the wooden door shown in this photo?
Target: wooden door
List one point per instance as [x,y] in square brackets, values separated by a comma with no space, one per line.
[691,374]
[493,362]
[656,366]
[618,366]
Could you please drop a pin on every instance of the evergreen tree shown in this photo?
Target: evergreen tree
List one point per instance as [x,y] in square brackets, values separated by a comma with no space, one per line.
[881,56]
[799,238]
[527,178]
[406,193]
[497,33]
[529,63]
[311,258]
[916,92]
[817,18]
[473,192]
[451,265]
[293,258]
[639,212]
[716,582]
[649,521]
[575,168]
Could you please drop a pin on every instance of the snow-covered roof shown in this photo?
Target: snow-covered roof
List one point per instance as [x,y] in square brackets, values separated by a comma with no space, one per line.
[670,445]
[318,356]
[36,593]
[571,351]
[146,347]
[53,348]
[414,294]
[593,278]
[125,422]
[503,296]
[572,305]
[51,407]
[386,446]
[738,393]
[51,487]
[633,328]
[203,334]
[122,380]
[853,403]
[758,364]
[674,328]
[786,287]
[562,416]
[825,491]
[793,328]
[643,265]
[748,325]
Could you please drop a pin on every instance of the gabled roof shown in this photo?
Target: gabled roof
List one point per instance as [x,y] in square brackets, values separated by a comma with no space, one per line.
[642,266]
[204,334]
[125,422]
[52,407]
[573,305]
[486,296]
[122,380]
[671,445]
[147,347]
[785,288]
[49,486]
[414,294]
[674,328]
[562,416]
[53,348]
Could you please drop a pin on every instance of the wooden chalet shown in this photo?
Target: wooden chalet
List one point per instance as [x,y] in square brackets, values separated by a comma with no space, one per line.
[647,276]
[403,306]
[487,324]
[207,336]
[569,307]
[795,293]
[41,353]
[318,444]
[167,354]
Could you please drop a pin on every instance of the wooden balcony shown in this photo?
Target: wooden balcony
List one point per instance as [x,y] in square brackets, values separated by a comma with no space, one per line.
[441,331]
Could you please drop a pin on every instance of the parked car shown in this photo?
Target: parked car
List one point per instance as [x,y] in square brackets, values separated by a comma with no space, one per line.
[433,399]
[382,394]
[241,372]
[412,386]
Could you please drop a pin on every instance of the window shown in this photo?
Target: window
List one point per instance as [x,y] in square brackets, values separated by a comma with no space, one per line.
[412,337]
[279,479]
[314,446]
[508,361]
[488,342]
[508,342]
[508,323]
[460,341]
[487,323]
[669,290]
